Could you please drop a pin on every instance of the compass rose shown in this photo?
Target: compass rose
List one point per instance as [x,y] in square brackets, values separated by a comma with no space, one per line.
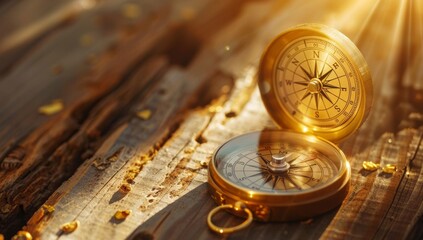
[317,84]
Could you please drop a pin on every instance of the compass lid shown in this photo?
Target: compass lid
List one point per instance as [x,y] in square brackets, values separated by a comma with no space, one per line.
[313,79]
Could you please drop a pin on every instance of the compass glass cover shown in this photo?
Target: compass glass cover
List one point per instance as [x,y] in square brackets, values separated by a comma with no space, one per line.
[278,162]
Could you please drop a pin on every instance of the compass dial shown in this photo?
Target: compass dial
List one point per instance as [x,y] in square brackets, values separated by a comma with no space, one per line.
[251,167]
[317,83]
[314,79]
[295,175]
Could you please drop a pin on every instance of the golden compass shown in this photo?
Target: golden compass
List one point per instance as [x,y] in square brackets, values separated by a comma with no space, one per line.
[316,86]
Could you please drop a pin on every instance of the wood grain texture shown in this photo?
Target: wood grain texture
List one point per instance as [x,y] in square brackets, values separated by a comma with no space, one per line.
[192,65]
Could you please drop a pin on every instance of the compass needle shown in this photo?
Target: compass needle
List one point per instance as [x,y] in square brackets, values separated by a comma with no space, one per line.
[315,70]
[306,94]
[324,76]
[301,83]
[326,96]
[275,181]
[293,183]
[326,85]
[306,73]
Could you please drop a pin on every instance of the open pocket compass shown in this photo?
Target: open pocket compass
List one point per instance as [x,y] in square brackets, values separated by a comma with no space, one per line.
[313,81]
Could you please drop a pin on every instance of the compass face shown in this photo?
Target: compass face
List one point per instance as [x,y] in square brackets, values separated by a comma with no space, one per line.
[316,83]
[278,162]
[314,79]
[250,167]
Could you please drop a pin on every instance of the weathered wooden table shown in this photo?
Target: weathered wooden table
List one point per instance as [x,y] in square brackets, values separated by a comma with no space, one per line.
[97,96]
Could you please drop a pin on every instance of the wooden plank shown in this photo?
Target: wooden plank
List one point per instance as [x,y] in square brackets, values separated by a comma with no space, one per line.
[221,136]
[164,155]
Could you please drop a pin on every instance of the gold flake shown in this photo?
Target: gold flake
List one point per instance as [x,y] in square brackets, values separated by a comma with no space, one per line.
[38,215]
[144,114]
[189,150]
[215,109]
[100,165]
[131,11]
[48,208]
[54,107]
[70,226]
[22,235]
[204,164]
[370,166]
[122,214]
[389,168]
[125,188]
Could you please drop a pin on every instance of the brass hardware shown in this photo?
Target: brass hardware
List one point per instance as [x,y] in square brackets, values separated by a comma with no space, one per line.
[239,207]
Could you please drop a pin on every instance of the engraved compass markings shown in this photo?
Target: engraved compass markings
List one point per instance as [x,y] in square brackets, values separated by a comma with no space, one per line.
[298,167]
[267,179]
[308,64]
[275,181]
[283,183]
[300,83]
[251,169]
[338,97]
[324,105]
[317,85]
[303,181]
[313,93]
[296,91]
[306,72]
[335,78]
[292,182]
[260,167]
[253,175]
[324,64]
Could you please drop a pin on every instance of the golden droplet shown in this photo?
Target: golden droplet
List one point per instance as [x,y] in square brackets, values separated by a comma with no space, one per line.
[48,208]
[131,11]
[370,166]
[22,235]
[389,168]
[54,107]
[70,226]
[122,214]
[125,188]
[144,114]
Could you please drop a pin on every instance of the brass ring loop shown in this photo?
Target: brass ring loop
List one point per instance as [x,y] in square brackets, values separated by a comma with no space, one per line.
[223,230]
